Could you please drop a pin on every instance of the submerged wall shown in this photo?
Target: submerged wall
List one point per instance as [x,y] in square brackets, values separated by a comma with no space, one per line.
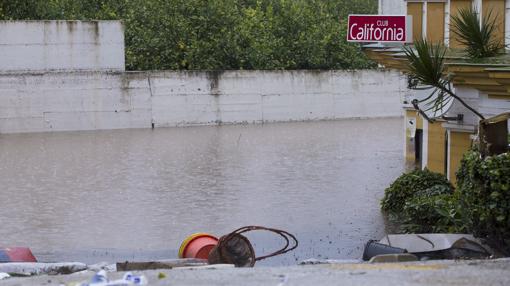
[67,101]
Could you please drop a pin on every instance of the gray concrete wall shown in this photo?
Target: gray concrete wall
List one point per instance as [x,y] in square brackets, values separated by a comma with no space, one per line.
[61,45]
[67,101]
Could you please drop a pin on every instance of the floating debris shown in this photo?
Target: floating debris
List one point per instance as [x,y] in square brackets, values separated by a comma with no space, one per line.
[16,254]
[234,248]
[429,246]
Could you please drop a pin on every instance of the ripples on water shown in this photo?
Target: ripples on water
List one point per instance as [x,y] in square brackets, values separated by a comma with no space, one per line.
[135,194]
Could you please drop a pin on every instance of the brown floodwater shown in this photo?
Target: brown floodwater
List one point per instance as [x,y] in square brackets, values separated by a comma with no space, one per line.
[136,194]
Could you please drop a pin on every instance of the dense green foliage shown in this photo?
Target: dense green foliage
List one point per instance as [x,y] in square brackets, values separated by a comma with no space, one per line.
[222,34]
[480,205]
[408,185]
[440,213]
[430,210]
[484,187]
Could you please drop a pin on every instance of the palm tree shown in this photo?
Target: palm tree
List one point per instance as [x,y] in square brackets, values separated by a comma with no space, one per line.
[427,69]
[478,38]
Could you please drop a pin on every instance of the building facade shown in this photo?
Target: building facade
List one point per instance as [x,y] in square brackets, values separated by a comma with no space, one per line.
[440,145]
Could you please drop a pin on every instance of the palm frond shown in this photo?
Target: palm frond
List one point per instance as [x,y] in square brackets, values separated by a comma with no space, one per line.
[478,38]
[426,63]
[426,67]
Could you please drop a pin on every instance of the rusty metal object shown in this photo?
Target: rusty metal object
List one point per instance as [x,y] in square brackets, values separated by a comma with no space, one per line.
[235,248]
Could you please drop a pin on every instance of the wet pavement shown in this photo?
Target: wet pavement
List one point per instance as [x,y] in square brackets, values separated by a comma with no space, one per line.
[136,194]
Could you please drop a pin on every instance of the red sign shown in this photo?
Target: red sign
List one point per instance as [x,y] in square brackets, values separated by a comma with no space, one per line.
[379,28]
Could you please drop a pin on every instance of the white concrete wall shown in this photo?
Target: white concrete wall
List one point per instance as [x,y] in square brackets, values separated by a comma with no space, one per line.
[61,45]
[481,102]
[471,97]
[73,101]
[490,107]
[65,101]
[392,7]
[188,98]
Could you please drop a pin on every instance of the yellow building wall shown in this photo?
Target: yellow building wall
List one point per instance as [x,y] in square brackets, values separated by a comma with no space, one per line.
[460,143]
[410,152]
[455,7]
[436,148]
[498,97]
[415,9]
[435,22]
[419,121]
[496,9]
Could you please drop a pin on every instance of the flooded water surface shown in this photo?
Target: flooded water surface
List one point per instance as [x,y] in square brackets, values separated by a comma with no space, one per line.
[136,194]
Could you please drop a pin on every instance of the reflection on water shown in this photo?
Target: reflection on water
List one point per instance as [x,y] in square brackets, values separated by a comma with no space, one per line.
[135,194]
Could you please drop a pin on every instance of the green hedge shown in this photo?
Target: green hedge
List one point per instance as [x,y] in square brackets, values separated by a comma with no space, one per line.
[219,34]
[480,205]
[405,188]
[484,188]
[440,213]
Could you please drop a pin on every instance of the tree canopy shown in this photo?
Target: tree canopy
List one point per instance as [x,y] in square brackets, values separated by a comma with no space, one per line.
[220,34]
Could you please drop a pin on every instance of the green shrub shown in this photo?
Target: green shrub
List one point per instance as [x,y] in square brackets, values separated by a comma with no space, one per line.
[484,188]
[481,204]
[435,190]
[440,213]
[219,34]
[407,185]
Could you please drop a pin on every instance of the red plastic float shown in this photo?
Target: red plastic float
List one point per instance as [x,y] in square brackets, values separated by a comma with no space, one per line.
[198,245]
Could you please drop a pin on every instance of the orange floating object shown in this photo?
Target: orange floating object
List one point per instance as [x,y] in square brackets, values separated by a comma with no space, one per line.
[198,245]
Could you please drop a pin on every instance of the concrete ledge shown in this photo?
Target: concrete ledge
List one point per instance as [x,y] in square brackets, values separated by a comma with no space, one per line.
[28,269]
[481,272]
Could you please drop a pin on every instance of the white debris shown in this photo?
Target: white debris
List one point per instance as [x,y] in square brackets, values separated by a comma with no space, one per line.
[101,279]
[4,275]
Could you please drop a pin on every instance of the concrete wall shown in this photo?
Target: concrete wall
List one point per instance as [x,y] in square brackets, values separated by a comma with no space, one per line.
[65,101]
[61,45]
[73,101]
[392,7]
[487,105]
